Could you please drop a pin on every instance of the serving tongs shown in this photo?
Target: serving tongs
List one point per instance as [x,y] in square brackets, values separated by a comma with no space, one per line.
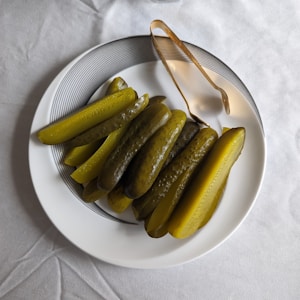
[173,37]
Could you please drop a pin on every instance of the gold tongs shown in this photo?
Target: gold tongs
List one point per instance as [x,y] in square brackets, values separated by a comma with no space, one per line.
[161,25]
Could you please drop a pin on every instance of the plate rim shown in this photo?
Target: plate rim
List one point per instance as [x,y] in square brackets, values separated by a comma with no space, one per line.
[51,90]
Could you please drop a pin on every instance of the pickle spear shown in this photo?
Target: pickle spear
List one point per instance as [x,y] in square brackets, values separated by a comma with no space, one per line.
[156,223]
[90,115]
[157,232]
[118,120]
[156,99]
[139,131]
[117,84]
[196,203]
[117,200]
[186,161]
[149,161]
[188,132]
[93,166]
[78,155]
[214,203]
[91,192]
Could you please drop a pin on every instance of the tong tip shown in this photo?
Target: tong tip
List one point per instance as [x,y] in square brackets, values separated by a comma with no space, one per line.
[225,101]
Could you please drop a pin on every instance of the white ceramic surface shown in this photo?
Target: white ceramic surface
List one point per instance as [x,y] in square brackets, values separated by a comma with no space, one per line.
[128,245]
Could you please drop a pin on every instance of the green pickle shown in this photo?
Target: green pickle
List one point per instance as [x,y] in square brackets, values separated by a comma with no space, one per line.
[188,132]
[156,99]
[199,201]
[91,192]
[186,161]
[92,167]
[157,221]
[78,155]
[139,131]
[157,232]
[90,115]
[137,152]
[117,200]
[117,84]
[150,159]
[214,203]
[120,119]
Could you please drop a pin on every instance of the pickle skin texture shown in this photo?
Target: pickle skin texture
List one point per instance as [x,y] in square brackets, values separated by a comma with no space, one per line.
[88,116]
[78,155]
[118,120]
[117,84]
[189,130]
[150,159]
[156,99]
[186,161]
[195,206]
[157,232]
[117,200]
[92,193]
[93,166]
[139,131]
[214,204]
[157,221]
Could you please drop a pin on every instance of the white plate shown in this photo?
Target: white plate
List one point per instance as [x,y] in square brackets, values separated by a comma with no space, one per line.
[135,60]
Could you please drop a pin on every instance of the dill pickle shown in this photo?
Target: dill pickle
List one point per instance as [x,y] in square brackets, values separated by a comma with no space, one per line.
[198,201]
[156,99]
[158,219]
[90,115]
[118,120]
[117,84]
[156,224]
[149,161]
[91,192]
[157,232]
[186,161]
[78,155]
[92,167]
[117,200]
[188,132]
[139,131]
[214,203]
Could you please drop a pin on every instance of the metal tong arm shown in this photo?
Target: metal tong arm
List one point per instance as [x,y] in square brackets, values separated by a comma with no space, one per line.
[161,25]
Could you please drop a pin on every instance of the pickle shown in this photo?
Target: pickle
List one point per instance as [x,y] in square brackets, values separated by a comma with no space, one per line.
[214,203]
[116,85]
[117,200]
[158,232]
[158,219]
[118,120]
[91,192]
[78,155]
[185,161]
[156,99]
[188,132]
[156,225]
[90,115]
[195,206]
[148,162]
[139,131]
[92,167]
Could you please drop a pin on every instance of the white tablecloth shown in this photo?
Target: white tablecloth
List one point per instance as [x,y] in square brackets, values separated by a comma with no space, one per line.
[259,40]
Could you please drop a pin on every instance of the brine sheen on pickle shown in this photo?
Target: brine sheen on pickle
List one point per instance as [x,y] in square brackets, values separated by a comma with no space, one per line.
[137,153]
